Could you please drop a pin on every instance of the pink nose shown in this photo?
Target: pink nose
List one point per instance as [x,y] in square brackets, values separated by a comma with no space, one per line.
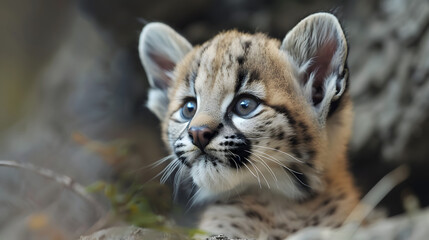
[200,136]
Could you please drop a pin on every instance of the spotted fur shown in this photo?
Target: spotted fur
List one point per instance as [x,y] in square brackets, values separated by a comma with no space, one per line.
[279,168]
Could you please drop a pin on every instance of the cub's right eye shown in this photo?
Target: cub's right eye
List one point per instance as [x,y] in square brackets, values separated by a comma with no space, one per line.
[188,110]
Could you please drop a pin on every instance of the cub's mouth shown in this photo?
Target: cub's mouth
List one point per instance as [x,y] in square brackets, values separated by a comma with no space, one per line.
[231,151]
[218,165]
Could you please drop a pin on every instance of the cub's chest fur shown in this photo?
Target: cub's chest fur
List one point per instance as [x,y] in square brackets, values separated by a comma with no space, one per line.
[258,126]
[264,215]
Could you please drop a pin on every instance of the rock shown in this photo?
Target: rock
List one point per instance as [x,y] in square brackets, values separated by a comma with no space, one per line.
[130,233]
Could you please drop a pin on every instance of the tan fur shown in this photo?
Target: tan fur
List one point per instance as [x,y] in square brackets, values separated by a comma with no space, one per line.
[294,173]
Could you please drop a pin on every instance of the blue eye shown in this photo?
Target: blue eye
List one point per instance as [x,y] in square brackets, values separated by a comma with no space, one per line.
[245,106]
[188,110]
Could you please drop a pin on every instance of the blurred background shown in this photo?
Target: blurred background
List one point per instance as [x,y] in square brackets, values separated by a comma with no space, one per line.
[72,94]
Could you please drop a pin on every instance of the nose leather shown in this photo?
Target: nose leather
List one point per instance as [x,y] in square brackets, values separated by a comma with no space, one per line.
[200,136]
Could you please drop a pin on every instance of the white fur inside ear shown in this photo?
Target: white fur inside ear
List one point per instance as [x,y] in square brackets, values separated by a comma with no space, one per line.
[305,39]
[330,89]
[157,102]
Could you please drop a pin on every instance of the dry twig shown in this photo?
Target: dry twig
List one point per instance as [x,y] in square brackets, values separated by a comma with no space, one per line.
[64,180]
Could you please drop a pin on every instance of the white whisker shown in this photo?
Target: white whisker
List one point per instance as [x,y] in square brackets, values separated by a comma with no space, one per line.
[257,138]
[275,160]
[165,169]
[277,150]
[193,200]
[270,158]
[293,172]
[236,165]
[267,167]
[167,173]
[257,173]
[263,176]
[154,164]
[249,169]
[177,180]
[160,161]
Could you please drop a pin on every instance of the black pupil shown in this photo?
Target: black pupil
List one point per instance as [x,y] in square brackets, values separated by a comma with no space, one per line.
[190,107]
[244,104]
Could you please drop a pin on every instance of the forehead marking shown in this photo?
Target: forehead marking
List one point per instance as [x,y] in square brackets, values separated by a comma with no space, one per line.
[242,78]
[223,70]
[242,73]
[254,76]
[196,69]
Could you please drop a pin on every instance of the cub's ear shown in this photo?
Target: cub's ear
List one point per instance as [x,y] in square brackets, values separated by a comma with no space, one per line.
[317,48]
[160,49]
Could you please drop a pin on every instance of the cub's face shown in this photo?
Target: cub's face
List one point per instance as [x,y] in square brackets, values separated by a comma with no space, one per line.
[246,111]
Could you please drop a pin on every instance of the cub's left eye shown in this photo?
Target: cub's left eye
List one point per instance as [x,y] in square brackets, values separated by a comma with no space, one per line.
[245,106]
[188,110]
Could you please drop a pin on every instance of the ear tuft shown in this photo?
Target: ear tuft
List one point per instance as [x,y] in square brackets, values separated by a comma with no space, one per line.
[160,49]
[317,48]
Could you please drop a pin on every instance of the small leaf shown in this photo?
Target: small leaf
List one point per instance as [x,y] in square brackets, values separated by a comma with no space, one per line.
[96,187]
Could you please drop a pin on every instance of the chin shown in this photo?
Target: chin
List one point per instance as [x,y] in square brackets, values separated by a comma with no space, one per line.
[215,182]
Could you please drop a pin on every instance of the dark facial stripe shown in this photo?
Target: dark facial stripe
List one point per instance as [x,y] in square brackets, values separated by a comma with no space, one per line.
[246,46]
[190,78]
[241,151]
[240,146]
[301,140]
[297,153]
[182,159]
[185,162]
[240,60]
[196,66]
[285,112]
[293,138]
[204,48]
[241,76]
[254,76]
[242,73]
[255,214]
[306,137]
